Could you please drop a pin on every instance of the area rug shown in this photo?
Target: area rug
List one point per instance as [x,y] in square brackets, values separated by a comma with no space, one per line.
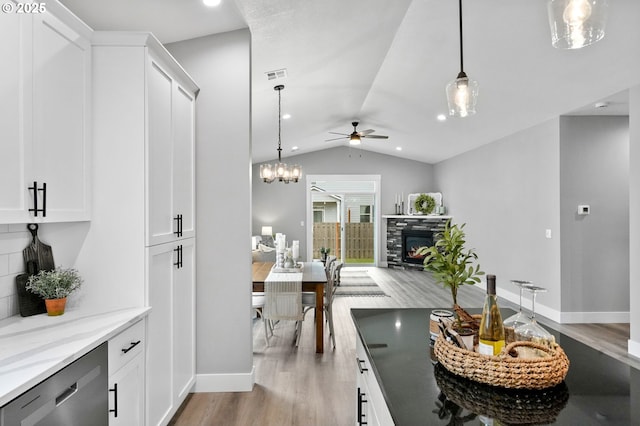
[357,282]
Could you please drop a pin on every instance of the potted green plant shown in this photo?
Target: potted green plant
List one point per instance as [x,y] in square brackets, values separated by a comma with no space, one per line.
[324,251]
[451,264]
[54,286]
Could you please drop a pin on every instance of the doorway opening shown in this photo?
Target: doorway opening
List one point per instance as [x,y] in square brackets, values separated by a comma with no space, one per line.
[343,217]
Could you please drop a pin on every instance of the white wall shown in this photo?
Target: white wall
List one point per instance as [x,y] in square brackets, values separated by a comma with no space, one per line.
[221,65]
[634,218]
[594,170]
[508,194]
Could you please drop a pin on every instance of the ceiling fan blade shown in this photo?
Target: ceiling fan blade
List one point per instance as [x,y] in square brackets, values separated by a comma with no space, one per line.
[365,132]
[336,133]
[375,136]
[335,139]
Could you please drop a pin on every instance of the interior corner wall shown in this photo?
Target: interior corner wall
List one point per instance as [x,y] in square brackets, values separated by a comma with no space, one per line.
[507,192]
[221,65]
[284,206]
[634,219]
[594,171]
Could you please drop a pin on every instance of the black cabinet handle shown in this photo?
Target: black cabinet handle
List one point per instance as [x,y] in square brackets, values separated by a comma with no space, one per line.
[35,190]
[114,410]
[361,414]
[178,263]
[133,345]
[360,365]
[178,220]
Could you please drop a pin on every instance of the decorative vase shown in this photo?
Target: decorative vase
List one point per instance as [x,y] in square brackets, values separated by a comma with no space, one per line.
[55,307]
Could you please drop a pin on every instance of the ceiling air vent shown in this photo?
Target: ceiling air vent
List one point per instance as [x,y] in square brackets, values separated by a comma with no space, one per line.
[277,74]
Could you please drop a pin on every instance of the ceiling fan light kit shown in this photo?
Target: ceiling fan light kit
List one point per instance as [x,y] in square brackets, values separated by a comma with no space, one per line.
[577,23]
[280,170]
[355,137]
[462,93]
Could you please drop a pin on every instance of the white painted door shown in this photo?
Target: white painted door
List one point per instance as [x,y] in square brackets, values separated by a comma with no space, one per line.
[61,117]
[160,223]
[127,394]
[14,199]
[183,160]
[159,362]
[184,367]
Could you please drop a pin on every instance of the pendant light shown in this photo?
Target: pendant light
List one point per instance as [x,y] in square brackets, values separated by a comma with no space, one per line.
[576,23]
[280,171]
[462,93]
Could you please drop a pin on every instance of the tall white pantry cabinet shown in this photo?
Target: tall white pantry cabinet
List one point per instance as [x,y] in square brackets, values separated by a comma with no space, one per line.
[143,222]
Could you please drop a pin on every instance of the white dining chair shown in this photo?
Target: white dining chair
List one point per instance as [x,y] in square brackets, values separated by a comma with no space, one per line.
[257,304]
[283,300]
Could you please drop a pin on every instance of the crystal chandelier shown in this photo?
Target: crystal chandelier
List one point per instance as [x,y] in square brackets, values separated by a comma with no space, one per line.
[280,171]
[462,93]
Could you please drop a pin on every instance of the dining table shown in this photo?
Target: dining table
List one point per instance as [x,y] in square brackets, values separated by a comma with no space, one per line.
[314,278]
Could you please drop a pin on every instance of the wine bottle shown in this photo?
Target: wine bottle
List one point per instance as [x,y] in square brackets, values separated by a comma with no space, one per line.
[491,332]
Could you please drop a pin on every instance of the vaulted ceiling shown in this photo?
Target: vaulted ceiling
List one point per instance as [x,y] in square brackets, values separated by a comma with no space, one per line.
[386,63]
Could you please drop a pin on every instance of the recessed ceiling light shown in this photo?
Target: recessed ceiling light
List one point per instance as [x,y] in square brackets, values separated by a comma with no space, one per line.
[294,148]
[441,117]
[211,3]
[398,148]
[601,104]
[286,116]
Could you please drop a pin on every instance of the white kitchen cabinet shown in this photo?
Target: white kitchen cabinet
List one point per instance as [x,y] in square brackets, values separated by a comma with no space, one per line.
[170,157]
[170,366]
[46,113]
[142,170]
[371,408]
[126,377]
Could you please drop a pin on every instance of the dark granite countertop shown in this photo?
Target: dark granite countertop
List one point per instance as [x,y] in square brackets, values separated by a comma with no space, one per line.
[598,390]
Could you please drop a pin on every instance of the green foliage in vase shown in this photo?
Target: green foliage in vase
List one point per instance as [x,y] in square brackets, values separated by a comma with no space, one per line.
[324,250]
[54,284]
[450,263]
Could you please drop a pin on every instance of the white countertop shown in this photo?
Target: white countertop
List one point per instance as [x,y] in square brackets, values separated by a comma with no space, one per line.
[33,348]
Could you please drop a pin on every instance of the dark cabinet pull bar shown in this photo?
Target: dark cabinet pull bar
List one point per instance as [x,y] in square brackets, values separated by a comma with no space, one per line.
[360,365]
[114,410]
[35,190]
[133,345]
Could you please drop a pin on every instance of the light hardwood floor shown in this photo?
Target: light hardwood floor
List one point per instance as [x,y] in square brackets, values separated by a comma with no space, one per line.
[299,387]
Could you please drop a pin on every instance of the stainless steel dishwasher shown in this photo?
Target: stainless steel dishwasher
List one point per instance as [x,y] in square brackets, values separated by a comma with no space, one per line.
[77,395]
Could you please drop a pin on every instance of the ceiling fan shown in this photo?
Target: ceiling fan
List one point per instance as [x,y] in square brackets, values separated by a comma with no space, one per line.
[356,136]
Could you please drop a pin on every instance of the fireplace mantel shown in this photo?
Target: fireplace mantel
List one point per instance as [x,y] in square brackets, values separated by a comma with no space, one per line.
[395,225]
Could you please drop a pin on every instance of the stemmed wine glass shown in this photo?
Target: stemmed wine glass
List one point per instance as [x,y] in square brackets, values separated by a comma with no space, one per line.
[532,331]
[519,318]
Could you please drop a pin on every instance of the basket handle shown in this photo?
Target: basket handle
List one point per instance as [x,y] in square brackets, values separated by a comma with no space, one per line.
[517,343]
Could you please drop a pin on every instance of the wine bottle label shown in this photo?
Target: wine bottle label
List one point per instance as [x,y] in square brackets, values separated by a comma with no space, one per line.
[489,347]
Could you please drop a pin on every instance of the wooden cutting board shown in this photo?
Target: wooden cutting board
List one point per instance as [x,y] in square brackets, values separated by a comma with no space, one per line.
[38,252]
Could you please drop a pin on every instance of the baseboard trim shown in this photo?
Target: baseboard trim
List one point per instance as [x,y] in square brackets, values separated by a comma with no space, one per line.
[239,382]
[594,317]
[634,348]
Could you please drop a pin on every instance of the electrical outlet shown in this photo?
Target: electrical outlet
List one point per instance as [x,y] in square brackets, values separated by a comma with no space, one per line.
[302,223]
[547,233]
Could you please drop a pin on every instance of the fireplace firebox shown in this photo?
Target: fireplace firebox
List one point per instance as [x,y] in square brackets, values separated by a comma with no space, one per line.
[412,240]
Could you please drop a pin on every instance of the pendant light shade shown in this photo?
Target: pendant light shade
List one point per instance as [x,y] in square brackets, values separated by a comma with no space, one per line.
[577,23]
[462,93]
[280,171]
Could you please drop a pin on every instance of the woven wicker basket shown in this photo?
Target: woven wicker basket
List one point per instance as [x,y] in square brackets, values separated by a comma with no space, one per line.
[510,406]
[504,370]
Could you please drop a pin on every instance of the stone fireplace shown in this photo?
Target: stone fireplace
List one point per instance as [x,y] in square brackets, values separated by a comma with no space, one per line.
[405,233]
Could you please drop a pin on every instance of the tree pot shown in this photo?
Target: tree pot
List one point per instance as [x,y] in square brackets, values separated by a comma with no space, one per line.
[55,307]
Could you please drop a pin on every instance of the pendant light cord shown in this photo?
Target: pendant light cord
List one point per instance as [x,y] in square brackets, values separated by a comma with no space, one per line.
[460,15]
[279,89]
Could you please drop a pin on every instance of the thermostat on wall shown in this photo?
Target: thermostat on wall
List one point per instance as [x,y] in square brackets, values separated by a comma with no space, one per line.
[584,209]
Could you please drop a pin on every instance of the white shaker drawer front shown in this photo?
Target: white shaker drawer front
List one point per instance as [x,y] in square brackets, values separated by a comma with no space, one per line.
[125,346]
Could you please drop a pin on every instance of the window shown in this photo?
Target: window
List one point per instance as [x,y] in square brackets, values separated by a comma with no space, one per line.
[365,214]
